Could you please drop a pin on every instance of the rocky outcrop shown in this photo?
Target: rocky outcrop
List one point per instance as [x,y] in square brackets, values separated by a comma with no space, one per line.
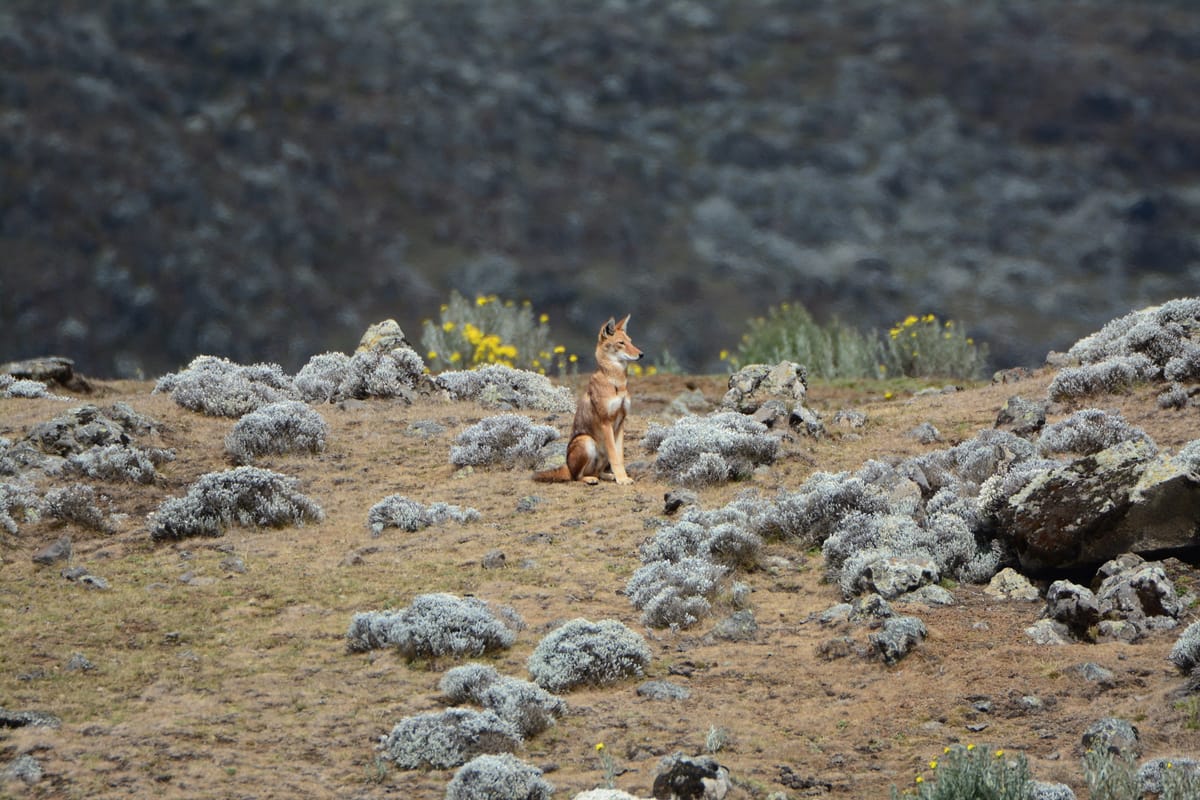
[1127,498]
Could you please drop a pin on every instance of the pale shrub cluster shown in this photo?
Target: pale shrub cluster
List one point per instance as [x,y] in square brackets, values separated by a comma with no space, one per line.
[120,462]
[705,450]
[288,426]
[435,625]
[510,439]
[526,705]
[18,504]
[585,653]
[219,387]
[448,739]
[398,511]
[498,777]
[501,386]
[1087,432]
[332,377]
[22,387]
[79,504]
[248,496]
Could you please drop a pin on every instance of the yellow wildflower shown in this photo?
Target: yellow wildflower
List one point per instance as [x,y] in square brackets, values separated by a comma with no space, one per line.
[559,350]
[599,747]
[448,326]
[543,318]
[431,355]
[933,764]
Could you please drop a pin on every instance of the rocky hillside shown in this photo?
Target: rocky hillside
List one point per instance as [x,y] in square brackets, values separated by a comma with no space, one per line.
[261,180]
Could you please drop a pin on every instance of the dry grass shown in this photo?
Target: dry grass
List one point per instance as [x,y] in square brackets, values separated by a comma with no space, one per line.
[216,683]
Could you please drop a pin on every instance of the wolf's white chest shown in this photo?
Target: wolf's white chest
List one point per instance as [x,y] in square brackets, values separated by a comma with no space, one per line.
[618,405]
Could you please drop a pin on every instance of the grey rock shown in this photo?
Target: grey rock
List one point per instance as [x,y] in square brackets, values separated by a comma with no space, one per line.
[1048,632]
[23,768]
[494,559]
[925,433]
[1074,606]
[836,615]
[870,607]
[931,595]
[1119,630]
[1123,499]
[1113,735]
[850,419]
[1139,595]
[806,421]
[680,777]
[56,551]
[893,576]
[1150,774]
[1022,417]
[663,690]
[1094,673]
[897,638]
[1008,584]
[1041,790]
[754,384]
[679,498]
[79,663]
[24,719]
[738,627]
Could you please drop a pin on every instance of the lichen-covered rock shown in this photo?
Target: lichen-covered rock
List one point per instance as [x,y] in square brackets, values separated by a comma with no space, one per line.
[1126,498]
[1185,653]
[680,777]
[1113,735]
[1074,606]
[897,637]
[754,384]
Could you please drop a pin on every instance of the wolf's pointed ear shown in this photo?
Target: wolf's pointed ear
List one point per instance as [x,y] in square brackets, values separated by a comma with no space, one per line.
[609,328]
[622,323]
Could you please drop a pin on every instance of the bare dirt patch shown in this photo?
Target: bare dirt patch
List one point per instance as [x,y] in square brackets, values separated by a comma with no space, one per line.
[220,667]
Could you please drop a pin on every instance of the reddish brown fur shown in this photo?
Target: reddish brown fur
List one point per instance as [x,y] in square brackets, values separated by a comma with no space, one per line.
[597,446]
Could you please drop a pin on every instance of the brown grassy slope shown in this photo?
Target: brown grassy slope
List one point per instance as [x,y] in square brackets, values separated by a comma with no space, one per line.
[210,682]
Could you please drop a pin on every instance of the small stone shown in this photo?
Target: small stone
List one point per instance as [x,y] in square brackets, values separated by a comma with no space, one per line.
[663,690]
[79,663]
[738,627]
[1113,735]
[494,559]
[59,550]
[1008,584]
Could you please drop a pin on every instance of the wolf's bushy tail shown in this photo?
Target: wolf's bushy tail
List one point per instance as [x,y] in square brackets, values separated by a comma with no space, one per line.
[560,475]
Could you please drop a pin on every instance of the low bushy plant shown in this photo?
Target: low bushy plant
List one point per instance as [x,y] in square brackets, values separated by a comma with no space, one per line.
[1115,375]
[924,347]
[382,373]
[499,386]
[21,387]
[509,439]
[397,511]
[526,705]
[219,387]
[247,496]
[674,594]
[585,653]
[1185,653]
[77,503]
[289,426]
[488,330]
[1087,432]
[435,625]
[701,451]
[113,462]
[973,773]
[498,777]
[18,503]
[448,739]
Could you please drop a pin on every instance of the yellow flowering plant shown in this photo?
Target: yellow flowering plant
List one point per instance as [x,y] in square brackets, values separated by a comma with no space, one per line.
[488,330]
[971,773]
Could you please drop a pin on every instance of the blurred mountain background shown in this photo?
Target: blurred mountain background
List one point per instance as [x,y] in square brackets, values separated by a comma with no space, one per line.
[262,179]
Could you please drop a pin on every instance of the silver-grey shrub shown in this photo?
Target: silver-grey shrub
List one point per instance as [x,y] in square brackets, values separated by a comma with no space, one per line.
[112,462]
[288,426]
[526,705]
[22,387]
[1189,456]
[448,739]
[585,653]
[809,515]
[728,543]
[219,387]
[77,503]
[398,511]
[510,439]
[18,503]
[1159,333]
[1185,653]
[704,450]
[1087,432]
[501,386]
[1115,375]
[675,594]
[498,777]
[248,496]
[331,377]
[437,624]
